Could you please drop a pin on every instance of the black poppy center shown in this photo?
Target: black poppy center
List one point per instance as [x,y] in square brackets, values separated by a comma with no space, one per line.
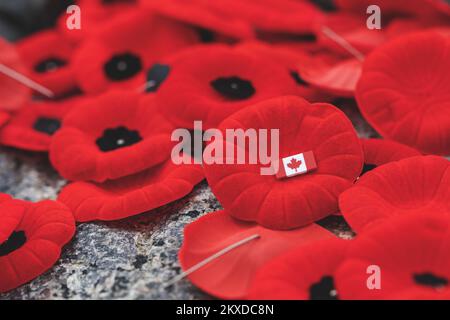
[429,279]
[205,35]
[298,79]
[233,88]
[323,290]
[117,138]
[157,74]
[325,5]
[49,65]
[47,125]
[111,2]
[123,66]
[13,243]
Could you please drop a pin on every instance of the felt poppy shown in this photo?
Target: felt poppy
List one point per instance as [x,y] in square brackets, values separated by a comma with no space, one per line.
[379,151]
[32,127]
[289,203]
[47,55]
[94,13]
[222,82]
[31,237]
[303,273]
[339,79]
[413,257]
[290,59]
[417,184]
[404,95]
[110,137]
[352,28]
[209,21]
[230,275]
[132,195]
[12,94]
[121,50]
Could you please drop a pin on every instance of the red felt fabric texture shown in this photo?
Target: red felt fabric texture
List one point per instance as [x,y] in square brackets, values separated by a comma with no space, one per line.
[43,46]
[229,276]
[417,184]
[405,96]
[13,94]
[404,248]
[20,131]
[379,151]
[76,155]
[298,201]
[47,225]
[187,95]
[153,37]
[291,276]
[132,195]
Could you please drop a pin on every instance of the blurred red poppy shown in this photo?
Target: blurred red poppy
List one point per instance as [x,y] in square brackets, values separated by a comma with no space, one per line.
[132,195]
[115,59]
[300,200]
[47,55]
[405,96]
[32,127]
[109,137]
[31,237]
[230,275]
[417,184]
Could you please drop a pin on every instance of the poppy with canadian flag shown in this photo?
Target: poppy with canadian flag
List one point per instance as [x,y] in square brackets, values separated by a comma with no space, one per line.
[296,165]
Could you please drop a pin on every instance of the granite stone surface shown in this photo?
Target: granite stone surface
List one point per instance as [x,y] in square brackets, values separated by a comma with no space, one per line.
[128,259]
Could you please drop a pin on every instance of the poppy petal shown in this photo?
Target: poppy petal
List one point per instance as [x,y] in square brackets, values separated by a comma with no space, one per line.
[229,276]
[12,94]
[111,59]
[301,200]
[110,137]
[398,188]
[132,195]
[37,231]
[379,151]
[222,82]
[32,127]
[48,56]
[412,255]
[304,273]
[405,96]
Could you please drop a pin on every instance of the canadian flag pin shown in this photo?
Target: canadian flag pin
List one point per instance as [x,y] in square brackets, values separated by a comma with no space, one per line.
[296,165]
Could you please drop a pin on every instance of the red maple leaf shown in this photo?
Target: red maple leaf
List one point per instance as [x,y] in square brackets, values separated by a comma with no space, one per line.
[294,164]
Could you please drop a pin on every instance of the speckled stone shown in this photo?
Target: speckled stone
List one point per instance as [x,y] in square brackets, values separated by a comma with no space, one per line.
[129,259]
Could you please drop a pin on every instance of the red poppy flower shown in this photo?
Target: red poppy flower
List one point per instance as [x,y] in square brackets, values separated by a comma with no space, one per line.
[48,55]
[339,79]
[417,184]
[222,82]
[304,273]
[114,59]
[32,127]
[12,94]
[203,15]
[352,28]
[94,13]
[413,256]
[290,59]
[404,96]
[4,118]
[132,195]
[229,276]
[110,137]
[31,237]
[379,151]
[297,201]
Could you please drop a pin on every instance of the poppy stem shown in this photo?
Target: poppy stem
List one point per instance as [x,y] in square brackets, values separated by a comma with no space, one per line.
[343,43]
[210,259]
[25,81]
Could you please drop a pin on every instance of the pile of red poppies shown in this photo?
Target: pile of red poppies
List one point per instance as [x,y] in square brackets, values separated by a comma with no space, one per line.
[138,70]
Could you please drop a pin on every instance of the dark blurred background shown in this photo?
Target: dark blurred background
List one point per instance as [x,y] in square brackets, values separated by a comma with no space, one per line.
[19,18]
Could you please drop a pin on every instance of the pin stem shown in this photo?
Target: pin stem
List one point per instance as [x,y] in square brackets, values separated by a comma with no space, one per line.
[343,43]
